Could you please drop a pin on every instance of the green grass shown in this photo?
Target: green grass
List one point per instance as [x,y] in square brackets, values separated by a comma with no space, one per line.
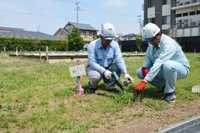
[38,97]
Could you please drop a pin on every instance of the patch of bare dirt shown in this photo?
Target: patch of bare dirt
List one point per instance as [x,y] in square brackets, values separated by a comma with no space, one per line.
[149,121]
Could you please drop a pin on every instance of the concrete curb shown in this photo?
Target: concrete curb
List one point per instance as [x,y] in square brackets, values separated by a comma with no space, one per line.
[189,126]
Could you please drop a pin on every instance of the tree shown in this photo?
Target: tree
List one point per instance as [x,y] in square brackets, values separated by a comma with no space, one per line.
[75,42]
[139,42]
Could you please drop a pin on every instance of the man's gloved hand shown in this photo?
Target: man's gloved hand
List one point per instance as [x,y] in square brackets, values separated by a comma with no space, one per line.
[144,71]
[141,85]
[128,77]
[107,74]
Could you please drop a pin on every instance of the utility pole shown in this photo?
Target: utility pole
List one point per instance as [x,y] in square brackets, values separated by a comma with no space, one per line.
[77,3]
[140,23]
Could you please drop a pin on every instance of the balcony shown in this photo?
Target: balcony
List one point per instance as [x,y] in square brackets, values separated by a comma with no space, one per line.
[188,32]
[188,5]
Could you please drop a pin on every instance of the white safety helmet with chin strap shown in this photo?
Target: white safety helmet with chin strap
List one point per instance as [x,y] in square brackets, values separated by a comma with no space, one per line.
[108,31]
[150,30]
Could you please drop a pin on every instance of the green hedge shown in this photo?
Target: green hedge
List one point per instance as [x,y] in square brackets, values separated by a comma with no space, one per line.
[31,45]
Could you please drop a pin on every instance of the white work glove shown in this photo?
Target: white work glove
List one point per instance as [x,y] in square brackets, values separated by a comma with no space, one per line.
[128,77]
[107,74]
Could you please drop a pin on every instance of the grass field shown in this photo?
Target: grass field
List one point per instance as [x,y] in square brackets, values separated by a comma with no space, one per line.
[38,97]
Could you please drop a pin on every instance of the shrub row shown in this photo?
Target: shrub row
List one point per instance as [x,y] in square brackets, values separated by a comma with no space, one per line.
[31,45]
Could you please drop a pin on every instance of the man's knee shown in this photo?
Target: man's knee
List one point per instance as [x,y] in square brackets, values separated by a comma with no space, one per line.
[168,66]
[94,75]
[94,78]
[171,67]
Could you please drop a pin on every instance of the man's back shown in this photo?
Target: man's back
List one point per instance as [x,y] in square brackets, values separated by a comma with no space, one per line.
[170,49]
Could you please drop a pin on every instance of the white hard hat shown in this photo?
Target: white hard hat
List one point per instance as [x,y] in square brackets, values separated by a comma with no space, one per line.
[108,31]
[150,30]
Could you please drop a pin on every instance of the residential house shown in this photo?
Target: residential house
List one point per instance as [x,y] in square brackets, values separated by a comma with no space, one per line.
[88,33]
[129,43]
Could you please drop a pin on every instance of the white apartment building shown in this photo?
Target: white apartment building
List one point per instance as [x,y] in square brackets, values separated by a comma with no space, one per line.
[178,18]
[187,20]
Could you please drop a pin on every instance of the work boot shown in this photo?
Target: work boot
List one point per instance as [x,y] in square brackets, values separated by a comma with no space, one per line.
[91,89]
[169,97]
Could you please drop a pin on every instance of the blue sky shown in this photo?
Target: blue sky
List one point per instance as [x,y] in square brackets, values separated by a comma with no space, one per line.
[49,15]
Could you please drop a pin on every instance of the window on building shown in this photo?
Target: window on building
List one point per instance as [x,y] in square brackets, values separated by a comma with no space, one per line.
[193,24]
[192,13]
[198,11]
[193,1]
[150,3]
[185,14]
[90,33]
[179,2]
[179,24]
[152,20]
[87,33]
[165,19]
[184,2]
[187,2]
[178,15]
[186,24]
[164,2]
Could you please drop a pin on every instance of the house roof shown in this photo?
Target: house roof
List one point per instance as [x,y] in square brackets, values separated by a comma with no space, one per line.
[129,35]
[61,30]
[10,28]
[21,33]
[82,26]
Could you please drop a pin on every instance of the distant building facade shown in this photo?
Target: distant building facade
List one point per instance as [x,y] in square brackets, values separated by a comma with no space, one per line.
[131,43]
[160,13]
[127,42]
[88,33]
[178,18]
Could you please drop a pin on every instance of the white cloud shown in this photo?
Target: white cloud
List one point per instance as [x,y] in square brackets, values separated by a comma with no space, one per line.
[117,3]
